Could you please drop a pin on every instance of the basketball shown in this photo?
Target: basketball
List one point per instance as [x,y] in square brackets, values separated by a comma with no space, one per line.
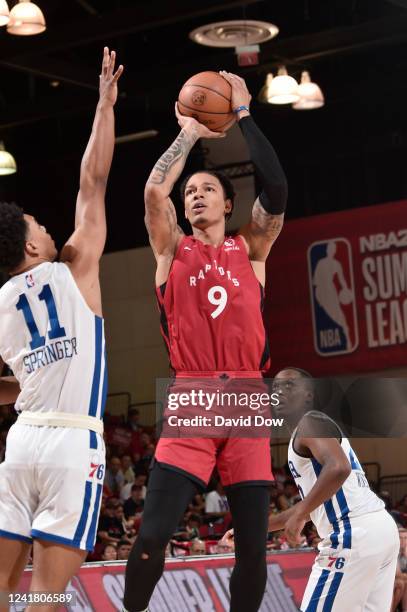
[206,97]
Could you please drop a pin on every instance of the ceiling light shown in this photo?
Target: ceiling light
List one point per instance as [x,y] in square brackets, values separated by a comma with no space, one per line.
[283,89]
[7,162]
[4,13]
[311,95]
[234,33]
[26,19]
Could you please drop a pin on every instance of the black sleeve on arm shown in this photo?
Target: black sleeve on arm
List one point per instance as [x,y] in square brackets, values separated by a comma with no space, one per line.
[273,197]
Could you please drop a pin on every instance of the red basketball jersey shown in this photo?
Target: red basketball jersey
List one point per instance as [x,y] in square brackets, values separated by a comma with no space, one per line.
[211,309]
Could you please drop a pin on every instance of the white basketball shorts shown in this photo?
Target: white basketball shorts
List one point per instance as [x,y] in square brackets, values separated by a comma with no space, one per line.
[360,578]
[51,485]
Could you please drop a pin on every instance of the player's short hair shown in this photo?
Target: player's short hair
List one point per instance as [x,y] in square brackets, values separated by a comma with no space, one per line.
[303,373]
[13,236]
[224,180]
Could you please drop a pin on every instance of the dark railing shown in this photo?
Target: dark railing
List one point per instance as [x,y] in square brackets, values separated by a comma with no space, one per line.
[117,404]
[279,453]
[373,472]
[395,484]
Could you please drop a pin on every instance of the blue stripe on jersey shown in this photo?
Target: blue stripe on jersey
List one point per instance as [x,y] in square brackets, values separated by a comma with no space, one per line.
[354,462]
[329,509]
[332,592]
[94,398]
[343,505]
[316,595]
[104,389]
[93,442]
[90,540]
[80,530]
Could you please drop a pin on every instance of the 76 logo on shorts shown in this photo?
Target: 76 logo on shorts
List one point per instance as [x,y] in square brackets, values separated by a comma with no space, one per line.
[337,562]
[97,470]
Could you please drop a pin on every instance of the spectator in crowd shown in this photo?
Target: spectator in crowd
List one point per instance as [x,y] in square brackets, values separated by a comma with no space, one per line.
[109,552]
[274,495]
[128,524]
[139,480]
[216,504]
[198,547]
[110,528]
[114,478]
[222,548]
[197,505]
[127,469]
[289,496]
[133,420]
[123,550]
[118,435]
[191,530]
[135,504]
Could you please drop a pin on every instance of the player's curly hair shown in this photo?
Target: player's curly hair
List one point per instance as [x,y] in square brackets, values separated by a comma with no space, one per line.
[224,180]
[13,235]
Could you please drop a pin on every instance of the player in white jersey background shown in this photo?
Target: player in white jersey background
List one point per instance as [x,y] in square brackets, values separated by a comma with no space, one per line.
[355,568]
[52,337]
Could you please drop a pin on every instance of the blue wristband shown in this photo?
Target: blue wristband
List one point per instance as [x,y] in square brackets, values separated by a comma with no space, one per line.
[240,108]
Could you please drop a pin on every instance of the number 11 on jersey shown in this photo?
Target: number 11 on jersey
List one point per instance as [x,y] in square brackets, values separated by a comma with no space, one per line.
[56,331]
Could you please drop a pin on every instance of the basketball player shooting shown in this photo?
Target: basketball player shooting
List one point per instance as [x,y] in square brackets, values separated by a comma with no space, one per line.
[356,564]
[52,338]
[210,290]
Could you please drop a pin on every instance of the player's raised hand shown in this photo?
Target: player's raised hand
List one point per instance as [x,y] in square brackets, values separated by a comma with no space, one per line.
[240,94]
[199,128]
[108,78]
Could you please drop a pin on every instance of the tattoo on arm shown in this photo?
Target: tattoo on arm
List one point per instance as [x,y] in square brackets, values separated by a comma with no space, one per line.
[178,151]
[265,224]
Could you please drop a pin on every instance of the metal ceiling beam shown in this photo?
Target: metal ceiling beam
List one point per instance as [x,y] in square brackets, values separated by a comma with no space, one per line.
[337,41]
[56,70]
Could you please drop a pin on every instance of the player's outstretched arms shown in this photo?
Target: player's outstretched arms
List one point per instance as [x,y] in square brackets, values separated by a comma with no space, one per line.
[160,215]
[9,388]
[85,247]
[268,210]
[335,470]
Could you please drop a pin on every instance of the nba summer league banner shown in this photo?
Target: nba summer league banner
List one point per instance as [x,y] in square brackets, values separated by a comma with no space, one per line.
[345,307]
[187,584]
[223,407]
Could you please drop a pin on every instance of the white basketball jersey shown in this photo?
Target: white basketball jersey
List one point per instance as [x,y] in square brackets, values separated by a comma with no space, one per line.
[53,343]
[354,498]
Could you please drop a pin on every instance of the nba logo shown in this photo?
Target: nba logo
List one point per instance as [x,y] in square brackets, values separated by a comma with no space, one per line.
[333,302]
[29,279]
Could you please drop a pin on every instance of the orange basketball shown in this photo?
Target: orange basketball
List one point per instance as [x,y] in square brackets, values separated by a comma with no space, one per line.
[206,97]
